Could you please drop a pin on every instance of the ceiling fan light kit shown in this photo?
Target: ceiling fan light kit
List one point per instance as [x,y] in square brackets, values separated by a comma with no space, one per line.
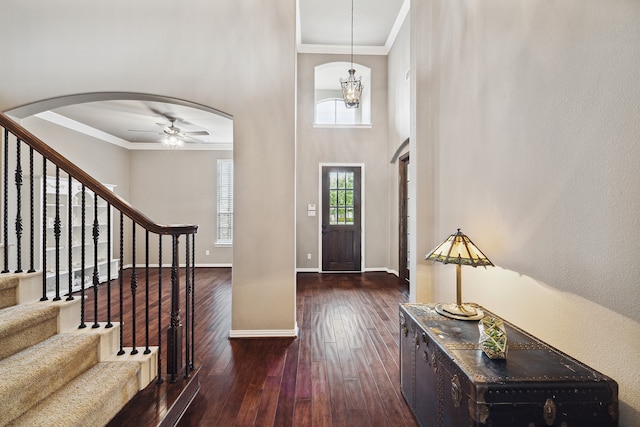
[173,137]
[172,141]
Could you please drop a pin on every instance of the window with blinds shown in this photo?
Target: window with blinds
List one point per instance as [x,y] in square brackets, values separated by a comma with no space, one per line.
[225,201]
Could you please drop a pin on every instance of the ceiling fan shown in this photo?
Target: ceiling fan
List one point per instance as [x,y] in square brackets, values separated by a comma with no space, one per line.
[173,137]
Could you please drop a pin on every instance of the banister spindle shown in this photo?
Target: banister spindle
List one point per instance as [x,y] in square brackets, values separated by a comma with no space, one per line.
[70,221]
[147,350]
[57,229]
[96,274]
[159,380]
[121,284]
[83,243]
[193,302]
[5,205]
[187,294]
[44,230]
[174,333]
[32,237]
[18,224]
[134,289]
[109,324]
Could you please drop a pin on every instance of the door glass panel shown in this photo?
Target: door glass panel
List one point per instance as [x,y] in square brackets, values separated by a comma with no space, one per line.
[341,200]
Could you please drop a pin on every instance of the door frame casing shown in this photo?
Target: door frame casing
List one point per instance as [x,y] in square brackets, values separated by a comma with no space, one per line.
[362,212]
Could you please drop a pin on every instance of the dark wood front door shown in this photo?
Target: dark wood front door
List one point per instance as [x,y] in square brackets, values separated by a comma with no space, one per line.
[341,222]
[403,218]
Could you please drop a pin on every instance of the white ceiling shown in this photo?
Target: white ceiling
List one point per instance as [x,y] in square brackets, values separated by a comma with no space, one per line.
[324,26]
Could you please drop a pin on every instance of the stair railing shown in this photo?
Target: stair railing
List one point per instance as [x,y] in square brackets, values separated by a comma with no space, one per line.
[88,272]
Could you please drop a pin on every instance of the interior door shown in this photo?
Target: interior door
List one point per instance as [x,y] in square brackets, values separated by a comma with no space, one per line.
[341,219]
[403,218]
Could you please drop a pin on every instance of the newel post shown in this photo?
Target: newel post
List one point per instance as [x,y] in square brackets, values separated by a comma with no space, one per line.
[174,333]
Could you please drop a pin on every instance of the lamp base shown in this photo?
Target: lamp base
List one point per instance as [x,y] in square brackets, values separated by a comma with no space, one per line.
[459,311]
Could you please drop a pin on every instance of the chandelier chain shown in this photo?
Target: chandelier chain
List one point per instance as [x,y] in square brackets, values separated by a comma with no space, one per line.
[351,33]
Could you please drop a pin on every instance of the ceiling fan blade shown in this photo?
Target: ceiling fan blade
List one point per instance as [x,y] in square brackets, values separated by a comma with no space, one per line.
[167,116]
[139,130]
[192,140]
[197,132]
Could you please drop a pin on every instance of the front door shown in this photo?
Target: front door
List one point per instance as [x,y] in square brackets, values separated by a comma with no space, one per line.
[341,233]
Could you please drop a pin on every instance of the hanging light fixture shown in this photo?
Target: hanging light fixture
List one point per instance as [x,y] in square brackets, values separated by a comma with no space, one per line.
[172,141]
[172,136]
[351,87]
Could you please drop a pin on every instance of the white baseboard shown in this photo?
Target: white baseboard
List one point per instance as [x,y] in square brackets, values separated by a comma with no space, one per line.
[366,270]
[181,265]
[374,269]
[264,333]
[212,265]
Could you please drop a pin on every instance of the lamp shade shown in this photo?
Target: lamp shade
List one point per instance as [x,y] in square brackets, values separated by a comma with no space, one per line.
[458,249]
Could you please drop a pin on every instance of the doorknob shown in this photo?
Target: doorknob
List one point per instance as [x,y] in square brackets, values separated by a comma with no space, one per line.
[324,228]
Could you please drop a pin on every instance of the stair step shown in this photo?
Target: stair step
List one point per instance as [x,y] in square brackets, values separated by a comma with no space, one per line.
[37,372]
[24,325]
[8,291]
[92,399]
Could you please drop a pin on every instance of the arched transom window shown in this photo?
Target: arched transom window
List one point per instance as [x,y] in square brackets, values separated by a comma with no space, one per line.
[329,109]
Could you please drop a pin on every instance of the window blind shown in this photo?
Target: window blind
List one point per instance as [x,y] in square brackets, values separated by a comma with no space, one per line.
[225,201]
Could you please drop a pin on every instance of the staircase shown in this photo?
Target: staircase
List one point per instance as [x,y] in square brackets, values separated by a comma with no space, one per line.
[54,374]
[72,351]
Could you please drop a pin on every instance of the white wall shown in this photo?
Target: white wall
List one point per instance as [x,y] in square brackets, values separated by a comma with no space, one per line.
[399,89]
[186,197]
[358,145]
[106,162]
[237,56]
[533,151]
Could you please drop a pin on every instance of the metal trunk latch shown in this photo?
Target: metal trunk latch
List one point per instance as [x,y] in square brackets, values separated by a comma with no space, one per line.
[456,393]
[403,325]
[549,414]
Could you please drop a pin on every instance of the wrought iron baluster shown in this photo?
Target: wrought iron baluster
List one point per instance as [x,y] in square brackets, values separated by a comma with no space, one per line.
[5,205]
[96,274]
[57,229]
[44,230]
[187,293]
[159,380]
[174,333]
[109,324]
[134,289]
[70,222]
[31,215]
[18,225]
[121,283]
[146,290]
[193,302]
[83,243]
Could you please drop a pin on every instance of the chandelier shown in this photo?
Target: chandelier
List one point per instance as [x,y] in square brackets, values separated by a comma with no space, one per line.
[351,87]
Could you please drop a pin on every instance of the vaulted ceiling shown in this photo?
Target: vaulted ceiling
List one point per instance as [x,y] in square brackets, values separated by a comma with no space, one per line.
[139,122]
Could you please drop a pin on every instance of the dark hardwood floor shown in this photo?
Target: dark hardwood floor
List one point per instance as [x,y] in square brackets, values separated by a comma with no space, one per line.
[343,368]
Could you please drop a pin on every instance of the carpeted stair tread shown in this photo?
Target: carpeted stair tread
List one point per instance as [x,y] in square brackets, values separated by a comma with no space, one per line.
[8,291]
[92,399]
[38,371]
[24,325]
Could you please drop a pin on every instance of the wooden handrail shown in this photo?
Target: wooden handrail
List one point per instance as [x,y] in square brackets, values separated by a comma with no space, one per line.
[91,183]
